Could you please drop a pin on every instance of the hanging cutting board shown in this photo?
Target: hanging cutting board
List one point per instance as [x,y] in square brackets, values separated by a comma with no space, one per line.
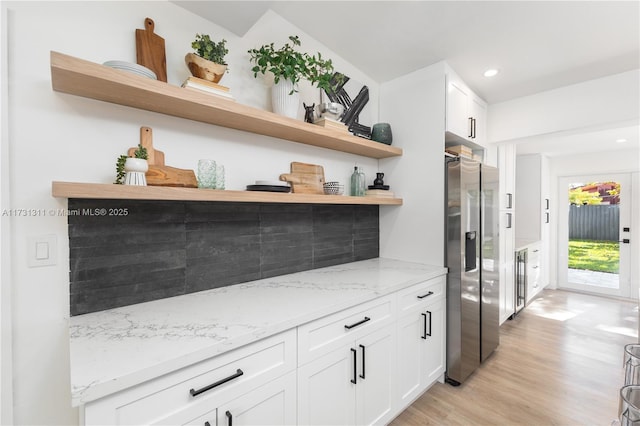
[150,51]
[305,178]
[159,174]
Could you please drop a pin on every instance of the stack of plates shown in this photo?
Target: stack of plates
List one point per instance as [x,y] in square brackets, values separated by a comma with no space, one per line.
[270,186]
[132,68]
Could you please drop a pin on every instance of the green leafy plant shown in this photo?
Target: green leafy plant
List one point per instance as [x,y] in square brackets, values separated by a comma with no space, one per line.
[289,64]
[209,49]
[140,152]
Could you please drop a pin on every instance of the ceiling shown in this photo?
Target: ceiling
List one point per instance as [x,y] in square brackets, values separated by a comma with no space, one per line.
[536,45]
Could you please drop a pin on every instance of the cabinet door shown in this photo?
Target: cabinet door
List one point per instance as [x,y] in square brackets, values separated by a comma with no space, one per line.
[457,117]
[270,404]
[411,329]
[375,397]
[434,345]
[326,395]
[477,110]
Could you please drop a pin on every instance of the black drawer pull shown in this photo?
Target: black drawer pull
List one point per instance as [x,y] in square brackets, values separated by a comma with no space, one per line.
[425,331]
[229,418]
[207,424]
[355,361]
[424,316]
[362,375]
[425,295]
[194,392]
[349,327]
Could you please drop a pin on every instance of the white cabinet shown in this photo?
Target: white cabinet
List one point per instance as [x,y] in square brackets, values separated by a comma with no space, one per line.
[347,366]
[507,167]
[421,338]
[534,270]
[201,391]
[466,113]
[533,207]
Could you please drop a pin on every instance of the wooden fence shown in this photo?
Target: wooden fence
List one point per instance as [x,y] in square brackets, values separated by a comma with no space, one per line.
[594,222]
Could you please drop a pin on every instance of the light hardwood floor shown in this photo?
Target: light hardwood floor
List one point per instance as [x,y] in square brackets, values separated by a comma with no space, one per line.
[559,363]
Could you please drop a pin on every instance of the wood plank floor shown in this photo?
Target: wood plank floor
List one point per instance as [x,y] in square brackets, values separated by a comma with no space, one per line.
[559,363]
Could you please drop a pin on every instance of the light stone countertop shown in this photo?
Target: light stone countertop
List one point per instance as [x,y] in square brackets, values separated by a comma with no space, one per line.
[114,349]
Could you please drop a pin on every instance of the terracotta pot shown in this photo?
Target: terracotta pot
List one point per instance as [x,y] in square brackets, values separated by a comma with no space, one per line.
[203,68]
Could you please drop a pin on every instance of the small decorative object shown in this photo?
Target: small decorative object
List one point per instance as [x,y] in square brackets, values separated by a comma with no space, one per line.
[284,99]
[220,176]
[382,133]
[353,96]
[131,172]
[333,188]
[207,174]
[287,64]
[378,181]
[308,112]
[135,169]
[269,186]
[208,61]
[357,183]
[330,110]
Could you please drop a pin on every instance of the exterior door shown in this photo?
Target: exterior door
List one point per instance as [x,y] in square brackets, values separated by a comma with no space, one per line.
[595,234]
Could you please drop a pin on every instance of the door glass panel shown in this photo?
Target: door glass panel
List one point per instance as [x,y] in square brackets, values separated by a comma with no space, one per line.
[594,235]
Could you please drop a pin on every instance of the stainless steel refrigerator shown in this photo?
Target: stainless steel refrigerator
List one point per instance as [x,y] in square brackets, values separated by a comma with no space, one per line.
[472,257]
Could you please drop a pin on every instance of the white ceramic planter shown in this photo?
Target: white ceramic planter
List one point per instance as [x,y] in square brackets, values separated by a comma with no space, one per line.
[282,102]
[135,169]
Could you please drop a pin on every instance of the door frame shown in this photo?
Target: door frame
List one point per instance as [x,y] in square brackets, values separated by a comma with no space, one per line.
[627,285]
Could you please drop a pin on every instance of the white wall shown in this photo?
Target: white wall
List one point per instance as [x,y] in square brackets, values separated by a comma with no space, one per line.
[595,163]
[55,136]
[415,106]
[600,103]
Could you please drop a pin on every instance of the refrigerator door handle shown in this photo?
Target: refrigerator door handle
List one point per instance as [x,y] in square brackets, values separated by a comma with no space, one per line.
[470,251]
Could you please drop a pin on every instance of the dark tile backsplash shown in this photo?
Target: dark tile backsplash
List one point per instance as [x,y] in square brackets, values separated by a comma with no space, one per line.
[161,249]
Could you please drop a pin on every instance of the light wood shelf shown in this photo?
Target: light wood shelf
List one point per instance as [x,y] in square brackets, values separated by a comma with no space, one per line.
[90,80]
[129,192]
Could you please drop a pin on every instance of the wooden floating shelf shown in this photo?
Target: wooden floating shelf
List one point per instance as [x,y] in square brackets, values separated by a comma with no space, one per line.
[90,80]
[129,192]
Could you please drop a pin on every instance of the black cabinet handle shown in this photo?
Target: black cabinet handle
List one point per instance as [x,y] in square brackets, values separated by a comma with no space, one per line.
[425,295]
[229,418]
[362,375]
[207,424]
[349,327]
[470,127]
[424,317]
[355,360]
[509,200]
[194,392]
[425,331]
[473,128]
[626,240]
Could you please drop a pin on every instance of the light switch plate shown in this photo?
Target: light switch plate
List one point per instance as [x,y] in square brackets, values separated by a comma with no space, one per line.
[42,250]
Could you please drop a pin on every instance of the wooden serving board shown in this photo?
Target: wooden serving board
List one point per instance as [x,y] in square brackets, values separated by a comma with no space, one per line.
[159,174]
[305,178]
[150,51]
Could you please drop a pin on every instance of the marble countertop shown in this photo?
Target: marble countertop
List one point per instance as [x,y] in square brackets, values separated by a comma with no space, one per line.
[114,349]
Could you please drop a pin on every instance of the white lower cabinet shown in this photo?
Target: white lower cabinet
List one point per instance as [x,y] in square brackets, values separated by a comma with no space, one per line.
[198,391]
[348,377]
[421,339]
[359,366]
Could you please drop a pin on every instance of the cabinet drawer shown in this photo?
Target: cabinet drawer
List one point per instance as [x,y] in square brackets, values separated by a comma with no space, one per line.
[425,292]
[199,387]
[328,333]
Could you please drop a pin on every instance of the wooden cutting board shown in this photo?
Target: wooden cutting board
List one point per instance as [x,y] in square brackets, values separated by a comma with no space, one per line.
[305,178]
[150,51]
[159,174]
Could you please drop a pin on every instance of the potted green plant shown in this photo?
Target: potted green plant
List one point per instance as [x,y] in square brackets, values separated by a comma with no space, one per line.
[289,66]
[131,170]
[208,61]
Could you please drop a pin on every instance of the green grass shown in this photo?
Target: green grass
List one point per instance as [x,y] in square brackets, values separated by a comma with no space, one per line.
[603,256]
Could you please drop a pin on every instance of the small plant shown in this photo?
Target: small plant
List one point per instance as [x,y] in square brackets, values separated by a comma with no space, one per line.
[210,50]
[140,152]
[289,64]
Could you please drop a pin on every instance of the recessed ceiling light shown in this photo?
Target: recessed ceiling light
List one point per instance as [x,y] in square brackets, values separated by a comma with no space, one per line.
[621,140]
[491,72]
